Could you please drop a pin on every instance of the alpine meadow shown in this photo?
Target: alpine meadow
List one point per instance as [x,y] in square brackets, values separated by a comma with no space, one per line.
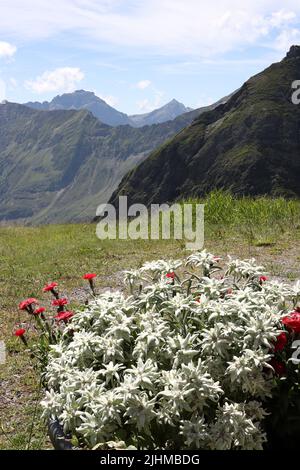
[150,230]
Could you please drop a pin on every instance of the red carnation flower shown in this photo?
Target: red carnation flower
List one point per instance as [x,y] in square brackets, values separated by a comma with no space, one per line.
[281,342]
[64,316]
[20,332]
[40,311]
[27,304]
[292,322]
[89,276]
[171,275]
[278,366]
[60,302]
[50,287]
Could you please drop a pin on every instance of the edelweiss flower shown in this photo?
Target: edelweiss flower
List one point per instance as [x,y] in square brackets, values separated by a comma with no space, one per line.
[197,355]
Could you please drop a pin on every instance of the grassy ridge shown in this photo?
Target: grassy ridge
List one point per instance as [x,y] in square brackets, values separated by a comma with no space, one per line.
[30,257]
[260,220]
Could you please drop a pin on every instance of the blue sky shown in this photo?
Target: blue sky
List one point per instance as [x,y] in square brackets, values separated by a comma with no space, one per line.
[138,55]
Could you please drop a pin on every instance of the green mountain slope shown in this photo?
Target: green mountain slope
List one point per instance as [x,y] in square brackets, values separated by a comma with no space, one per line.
[251,145]
[58,166]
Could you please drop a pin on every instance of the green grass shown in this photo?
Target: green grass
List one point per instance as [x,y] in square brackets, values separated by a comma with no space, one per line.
[260,221]
[29,257]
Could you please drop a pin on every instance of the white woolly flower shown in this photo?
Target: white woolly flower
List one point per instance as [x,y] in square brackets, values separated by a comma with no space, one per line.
[194,432]
[183,362]
[244,268]
[233,429]
[202,259]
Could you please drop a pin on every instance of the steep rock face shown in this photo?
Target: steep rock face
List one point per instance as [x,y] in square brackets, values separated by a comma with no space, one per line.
[250,145]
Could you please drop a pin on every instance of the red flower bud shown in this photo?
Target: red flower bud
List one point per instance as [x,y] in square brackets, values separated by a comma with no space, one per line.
[39,310]
[27,304]
[64,316]
[20,332]
[60,302]
[171,275]
[89,276]
[50,287]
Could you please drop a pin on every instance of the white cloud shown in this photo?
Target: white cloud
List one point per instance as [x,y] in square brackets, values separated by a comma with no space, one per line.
[282,17]
[109,99]
[13,83]
[2,90]
[159,27]
[286,38]
[146,105]
[204,100]
[7,50]
[63,79]
[143,84]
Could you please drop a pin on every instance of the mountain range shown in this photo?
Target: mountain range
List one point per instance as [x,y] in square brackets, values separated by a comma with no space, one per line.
[82,99]
[249,145]
[58,166]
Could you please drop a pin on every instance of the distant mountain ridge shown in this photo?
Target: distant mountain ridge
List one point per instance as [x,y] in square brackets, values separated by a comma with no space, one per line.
[87,100]
[58,166]
[167,112]
[80,100]
[250,145]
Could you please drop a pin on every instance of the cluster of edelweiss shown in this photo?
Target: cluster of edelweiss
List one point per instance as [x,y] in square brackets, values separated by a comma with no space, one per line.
[186,360]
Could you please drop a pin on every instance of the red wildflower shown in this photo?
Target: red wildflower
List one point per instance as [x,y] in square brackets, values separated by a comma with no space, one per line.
[281,342]
[60,302]
[50,287]
[27,304]
[89,276]
[64,316]
[292,322]
[170,275]
[263,279]
[39,310]
[20,332]
[278,366]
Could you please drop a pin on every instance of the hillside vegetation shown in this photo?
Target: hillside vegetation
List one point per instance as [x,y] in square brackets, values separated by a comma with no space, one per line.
[58,166]
[31,256]
[249,145]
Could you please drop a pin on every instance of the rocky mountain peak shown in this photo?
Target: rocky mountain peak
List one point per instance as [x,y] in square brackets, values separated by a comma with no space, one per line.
[294,53]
